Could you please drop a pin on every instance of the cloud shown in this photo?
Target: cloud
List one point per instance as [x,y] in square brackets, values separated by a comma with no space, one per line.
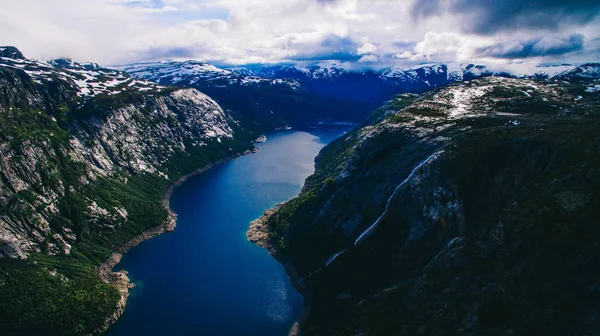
[368,59]
[374,32]
[404,55]
[443,44]
[366,48]
[545,46]
[331,47]
[489,17]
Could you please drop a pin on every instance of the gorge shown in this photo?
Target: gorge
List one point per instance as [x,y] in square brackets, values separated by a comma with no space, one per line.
[468,209]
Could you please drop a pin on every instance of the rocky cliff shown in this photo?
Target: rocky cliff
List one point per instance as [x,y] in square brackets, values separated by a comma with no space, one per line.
[86,155]
[470,210]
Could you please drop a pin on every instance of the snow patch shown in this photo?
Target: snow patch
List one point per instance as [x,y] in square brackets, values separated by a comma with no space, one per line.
[594,88]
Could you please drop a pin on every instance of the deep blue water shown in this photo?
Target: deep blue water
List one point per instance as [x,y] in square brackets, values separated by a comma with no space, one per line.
[205,278]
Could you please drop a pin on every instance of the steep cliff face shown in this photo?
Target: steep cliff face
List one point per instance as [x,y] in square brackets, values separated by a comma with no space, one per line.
[103,137]
[468,211]
[86,155]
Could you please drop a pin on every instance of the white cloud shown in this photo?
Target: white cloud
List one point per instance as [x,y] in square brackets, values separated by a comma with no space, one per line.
[366,48]
[404,55]
[443,44]
[236,31]
[368,59]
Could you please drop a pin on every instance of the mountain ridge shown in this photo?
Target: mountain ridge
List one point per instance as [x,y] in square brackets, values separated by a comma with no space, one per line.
[87,154]
[463,211]
[299,95]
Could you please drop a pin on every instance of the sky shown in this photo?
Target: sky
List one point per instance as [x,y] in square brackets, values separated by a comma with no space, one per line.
[365,33]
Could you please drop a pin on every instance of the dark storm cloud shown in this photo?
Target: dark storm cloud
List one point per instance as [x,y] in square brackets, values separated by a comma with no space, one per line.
[546,46]
[334,42]
[489,16]
[159,53]
[331,48]
[334,56]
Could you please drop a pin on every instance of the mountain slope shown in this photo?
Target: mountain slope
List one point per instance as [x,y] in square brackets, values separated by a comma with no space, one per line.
[87,154]
[262,104]
[275,96]
[468,210]
[271,96]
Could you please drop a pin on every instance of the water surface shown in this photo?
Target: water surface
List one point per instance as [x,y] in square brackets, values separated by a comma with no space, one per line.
[205,278]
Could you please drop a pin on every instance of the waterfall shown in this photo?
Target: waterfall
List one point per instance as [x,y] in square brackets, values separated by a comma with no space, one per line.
[329,261]
[368,231]
[371,228]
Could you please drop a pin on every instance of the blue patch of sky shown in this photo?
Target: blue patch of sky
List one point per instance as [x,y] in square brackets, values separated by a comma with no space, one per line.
[204,11]
[146,4]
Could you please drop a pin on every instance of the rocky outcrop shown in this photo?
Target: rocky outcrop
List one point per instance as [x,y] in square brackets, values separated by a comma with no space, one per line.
[258,232]
[468,211]
[9,248]
[120,281]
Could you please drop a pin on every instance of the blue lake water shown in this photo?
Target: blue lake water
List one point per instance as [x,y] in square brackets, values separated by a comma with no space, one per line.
[205,278]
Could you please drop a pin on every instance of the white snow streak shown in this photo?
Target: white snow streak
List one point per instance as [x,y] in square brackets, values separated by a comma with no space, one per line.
[370,230]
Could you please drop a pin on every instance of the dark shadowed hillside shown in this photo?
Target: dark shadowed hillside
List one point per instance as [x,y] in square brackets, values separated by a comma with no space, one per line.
[470,210]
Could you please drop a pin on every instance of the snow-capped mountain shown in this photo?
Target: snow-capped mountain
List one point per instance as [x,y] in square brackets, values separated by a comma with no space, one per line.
[269,101]
[410,222]
[588,70]
[189,73]
[281,94]
[89,78]
[359,85]
[421,77]
[296,94]
[336,81]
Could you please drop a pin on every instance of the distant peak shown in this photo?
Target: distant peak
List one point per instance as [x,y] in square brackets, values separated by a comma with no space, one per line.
[67,63]
[62,62]
[11,52]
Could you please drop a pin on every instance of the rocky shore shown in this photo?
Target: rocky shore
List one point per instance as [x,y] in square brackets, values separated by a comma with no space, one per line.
[261,139]
[119,280]
[258,233]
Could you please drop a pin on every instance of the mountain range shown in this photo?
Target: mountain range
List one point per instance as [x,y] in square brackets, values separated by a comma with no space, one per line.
[301,95]
[462,203]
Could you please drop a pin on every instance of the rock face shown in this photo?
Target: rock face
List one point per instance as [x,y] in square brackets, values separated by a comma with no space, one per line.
[86,156]
[108,131]
[469,210]
[9,248]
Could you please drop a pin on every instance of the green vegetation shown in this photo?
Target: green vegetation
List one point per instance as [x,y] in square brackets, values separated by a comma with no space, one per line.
[63,295]
[34,302]
[331,162]
[495,236]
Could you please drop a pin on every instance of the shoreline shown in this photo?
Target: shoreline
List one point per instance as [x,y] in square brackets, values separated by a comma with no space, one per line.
[258,234]
[119,280]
